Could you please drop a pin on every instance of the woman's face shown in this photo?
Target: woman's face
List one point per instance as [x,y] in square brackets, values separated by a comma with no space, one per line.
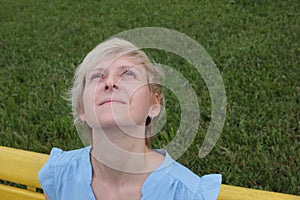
[116,93]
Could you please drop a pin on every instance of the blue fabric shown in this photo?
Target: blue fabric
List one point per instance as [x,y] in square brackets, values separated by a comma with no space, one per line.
[68,175]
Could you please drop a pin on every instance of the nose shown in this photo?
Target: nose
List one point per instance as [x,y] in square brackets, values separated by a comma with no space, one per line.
[111,84]
[109,87]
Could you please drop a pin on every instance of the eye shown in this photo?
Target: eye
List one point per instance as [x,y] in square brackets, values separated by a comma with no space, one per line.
[96,75]
[128,73]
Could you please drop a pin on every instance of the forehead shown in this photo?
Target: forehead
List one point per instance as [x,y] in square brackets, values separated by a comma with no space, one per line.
[119,63]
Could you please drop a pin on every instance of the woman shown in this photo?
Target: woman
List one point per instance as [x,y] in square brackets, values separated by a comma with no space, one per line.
[116,100]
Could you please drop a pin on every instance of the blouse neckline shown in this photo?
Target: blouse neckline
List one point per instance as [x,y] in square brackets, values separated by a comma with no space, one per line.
[168,160]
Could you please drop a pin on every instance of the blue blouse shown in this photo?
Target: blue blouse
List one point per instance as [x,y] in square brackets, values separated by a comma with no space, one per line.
[68,175]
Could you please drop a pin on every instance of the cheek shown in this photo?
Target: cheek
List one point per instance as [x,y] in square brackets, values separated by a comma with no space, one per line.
[88,98]
[136,88]
[140,100]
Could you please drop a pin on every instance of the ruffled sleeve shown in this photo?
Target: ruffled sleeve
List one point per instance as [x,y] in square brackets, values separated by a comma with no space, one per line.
[174,181]
[209,186]
[47,174]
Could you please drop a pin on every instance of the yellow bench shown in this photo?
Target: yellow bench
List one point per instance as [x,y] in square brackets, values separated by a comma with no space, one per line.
[21,167]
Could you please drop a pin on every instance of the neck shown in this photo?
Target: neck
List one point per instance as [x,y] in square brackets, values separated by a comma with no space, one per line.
[125,139]
[118,157]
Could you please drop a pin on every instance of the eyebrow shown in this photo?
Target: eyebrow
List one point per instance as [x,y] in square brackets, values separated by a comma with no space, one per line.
[120,67]
[125,66]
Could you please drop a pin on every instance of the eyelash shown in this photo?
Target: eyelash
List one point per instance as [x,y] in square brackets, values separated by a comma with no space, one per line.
[100,75]
[96,75]
[128,71]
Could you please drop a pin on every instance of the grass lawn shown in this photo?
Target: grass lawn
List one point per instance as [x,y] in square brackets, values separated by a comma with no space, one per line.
[255,45]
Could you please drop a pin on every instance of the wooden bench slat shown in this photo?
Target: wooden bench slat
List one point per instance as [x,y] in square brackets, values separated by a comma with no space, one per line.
[229,192]
[20,166]
[13,193]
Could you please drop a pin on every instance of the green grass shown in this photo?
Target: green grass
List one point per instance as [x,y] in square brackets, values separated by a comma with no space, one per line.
[255,45]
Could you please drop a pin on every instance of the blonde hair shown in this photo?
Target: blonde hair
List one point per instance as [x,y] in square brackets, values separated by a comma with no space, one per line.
[112,49]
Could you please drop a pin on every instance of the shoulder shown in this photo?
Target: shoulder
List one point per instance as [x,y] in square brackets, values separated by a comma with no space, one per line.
[62,160]
[62,168]
[179,182]
[59,157]
[207,186]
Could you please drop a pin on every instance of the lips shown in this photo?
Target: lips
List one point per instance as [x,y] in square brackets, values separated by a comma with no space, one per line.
[111,100]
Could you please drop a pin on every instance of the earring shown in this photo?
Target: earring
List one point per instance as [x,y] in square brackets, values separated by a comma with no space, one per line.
[148,120]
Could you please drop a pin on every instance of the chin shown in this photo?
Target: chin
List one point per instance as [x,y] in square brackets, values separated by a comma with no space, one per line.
[112,122]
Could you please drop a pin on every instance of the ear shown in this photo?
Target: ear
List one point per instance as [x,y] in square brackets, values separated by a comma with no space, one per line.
[81,114]
[155,107]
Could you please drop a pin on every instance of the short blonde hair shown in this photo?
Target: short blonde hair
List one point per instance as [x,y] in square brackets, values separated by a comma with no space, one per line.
[112,49]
